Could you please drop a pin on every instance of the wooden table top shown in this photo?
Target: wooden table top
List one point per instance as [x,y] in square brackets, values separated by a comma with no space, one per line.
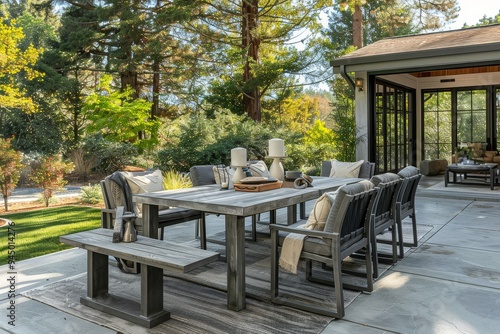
[211,199]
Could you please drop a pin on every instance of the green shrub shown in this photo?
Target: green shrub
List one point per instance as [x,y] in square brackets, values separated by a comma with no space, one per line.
[109,156]
[91,194]
[49,176]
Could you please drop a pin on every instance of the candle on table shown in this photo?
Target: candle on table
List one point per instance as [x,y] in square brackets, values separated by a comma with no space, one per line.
[239,157]
[276,147]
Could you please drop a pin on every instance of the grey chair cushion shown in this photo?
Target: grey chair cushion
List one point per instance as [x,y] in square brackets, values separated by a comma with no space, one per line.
[202,175]
[384,178]
[335,218]
[366,170]
[408,171]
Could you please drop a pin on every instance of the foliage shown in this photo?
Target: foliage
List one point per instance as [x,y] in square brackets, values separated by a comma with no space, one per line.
[40,131]
[485,21]
[175,180]
[49,176]
[38,231]
[296,113]
[344,123]
[10,169]
[120,117]
[108,156]
[254,56]
[91,194]
[199,140]
[15,62]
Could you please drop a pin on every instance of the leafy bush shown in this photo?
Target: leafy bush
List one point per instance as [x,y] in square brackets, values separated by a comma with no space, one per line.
[10,169]
[198,140]
[91,194]
[49,176]
[109,156]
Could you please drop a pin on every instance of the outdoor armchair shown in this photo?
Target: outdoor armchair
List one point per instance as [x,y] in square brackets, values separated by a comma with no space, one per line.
[384,217]
[405,205]
[116,192]
[346,231]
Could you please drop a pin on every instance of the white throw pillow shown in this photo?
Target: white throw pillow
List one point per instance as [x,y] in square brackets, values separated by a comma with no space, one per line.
[220,171]
[319,213]
[140,184]
[345,169]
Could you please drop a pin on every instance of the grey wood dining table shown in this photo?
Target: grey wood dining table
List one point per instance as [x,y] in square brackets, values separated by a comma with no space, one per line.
[235,205]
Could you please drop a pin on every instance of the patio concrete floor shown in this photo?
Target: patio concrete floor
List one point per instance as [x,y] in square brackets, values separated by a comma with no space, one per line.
[450,283]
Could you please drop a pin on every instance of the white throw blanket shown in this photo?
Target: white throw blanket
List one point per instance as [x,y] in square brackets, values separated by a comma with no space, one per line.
[293,243]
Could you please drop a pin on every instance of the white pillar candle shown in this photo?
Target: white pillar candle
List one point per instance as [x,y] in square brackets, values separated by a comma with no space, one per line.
[239,156]
[276,147]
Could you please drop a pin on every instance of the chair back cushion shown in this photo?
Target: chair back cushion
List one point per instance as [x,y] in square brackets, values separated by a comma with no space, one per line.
[366,170]
[343,206]
[345,169]
[389,185]
[408,171]
[202,175]
[144,182]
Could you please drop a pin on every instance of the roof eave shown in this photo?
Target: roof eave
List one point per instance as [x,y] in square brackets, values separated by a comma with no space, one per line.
[423,57]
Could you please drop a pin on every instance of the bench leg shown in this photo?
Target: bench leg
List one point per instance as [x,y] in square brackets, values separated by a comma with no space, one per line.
[151,291]
[148,313]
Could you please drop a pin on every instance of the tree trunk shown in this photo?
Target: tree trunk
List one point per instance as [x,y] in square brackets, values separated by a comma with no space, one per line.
[250,43]
[129,78]
[5,203]
[357,27]
[155,108]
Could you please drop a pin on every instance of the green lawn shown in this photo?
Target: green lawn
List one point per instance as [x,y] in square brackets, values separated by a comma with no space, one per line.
[38,231]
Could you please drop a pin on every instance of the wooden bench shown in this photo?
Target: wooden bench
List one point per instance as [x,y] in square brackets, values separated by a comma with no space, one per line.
[153,255]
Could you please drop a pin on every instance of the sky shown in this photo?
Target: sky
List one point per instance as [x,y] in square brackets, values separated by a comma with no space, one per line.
[471,11]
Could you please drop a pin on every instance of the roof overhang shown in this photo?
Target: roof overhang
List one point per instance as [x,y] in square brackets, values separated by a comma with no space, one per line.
[478,46]
[419,61]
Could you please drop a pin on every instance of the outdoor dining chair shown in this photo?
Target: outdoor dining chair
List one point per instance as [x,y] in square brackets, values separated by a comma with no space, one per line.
[384,217]
[405,205]
[347,230]
[116,192]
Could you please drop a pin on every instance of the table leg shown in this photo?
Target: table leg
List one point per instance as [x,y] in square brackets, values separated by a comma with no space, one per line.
[492,178]
[292,214]
[446,176]
[97,274]
[150,221]
[235,258]
[302,209]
